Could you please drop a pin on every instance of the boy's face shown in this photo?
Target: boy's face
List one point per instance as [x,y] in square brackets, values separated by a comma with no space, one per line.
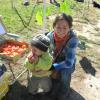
[61,28]
[36,51]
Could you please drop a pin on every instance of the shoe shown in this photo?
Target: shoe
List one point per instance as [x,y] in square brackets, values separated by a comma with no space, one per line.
[63,96]
[26,3]
[57,4]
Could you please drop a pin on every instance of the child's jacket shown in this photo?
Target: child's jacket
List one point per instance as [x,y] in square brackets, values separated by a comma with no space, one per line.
[40,69]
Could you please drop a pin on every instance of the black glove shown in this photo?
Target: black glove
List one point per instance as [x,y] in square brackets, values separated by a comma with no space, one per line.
[52,68]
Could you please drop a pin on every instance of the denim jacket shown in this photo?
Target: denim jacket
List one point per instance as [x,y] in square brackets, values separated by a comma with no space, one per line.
[69,51]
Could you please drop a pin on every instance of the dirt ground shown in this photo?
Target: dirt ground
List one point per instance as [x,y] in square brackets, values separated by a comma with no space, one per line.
[85,84]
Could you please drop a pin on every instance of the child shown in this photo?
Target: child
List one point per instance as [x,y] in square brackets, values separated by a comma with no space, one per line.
[39,62]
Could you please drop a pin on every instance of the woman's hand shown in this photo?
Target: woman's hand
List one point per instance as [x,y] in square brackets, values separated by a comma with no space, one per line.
[55,74]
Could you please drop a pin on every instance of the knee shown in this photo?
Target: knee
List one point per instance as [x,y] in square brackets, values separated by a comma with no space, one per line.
[47,89]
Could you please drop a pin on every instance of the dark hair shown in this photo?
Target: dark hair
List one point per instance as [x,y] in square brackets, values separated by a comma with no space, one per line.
[65,17]
[41,41]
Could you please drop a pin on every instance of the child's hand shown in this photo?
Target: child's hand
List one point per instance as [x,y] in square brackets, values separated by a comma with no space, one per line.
[32,58]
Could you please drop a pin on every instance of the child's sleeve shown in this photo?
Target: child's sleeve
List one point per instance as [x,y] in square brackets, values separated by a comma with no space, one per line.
[28,65]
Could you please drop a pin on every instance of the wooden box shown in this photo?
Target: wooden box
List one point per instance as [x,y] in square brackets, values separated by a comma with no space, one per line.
[13,50]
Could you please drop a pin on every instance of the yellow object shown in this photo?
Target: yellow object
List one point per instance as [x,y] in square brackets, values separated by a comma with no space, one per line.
[4,82]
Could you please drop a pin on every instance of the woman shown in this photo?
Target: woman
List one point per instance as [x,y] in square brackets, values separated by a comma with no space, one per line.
[63,49]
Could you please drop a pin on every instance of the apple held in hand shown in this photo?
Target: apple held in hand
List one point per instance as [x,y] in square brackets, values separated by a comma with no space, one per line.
[33,58]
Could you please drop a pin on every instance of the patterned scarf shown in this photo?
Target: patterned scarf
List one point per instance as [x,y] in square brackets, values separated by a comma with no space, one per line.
[59,41]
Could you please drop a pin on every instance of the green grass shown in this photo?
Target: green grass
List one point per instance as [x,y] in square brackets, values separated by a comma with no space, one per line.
[10,18]
[15,25]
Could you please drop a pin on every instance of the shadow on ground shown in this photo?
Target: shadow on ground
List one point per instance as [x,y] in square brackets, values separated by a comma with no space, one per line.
[19,92]
[15,92]
[75,95]
[87,66]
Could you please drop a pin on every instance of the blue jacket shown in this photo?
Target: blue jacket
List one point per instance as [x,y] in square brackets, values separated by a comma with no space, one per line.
[69,51]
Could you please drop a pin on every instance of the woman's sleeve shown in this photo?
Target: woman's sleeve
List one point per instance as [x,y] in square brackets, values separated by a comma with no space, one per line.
[70,55]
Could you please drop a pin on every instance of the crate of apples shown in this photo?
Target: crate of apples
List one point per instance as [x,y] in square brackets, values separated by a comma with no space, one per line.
[13,49]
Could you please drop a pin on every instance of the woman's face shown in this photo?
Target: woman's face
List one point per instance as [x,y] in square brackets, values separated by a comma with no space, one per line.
[36,51]
[61,28]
